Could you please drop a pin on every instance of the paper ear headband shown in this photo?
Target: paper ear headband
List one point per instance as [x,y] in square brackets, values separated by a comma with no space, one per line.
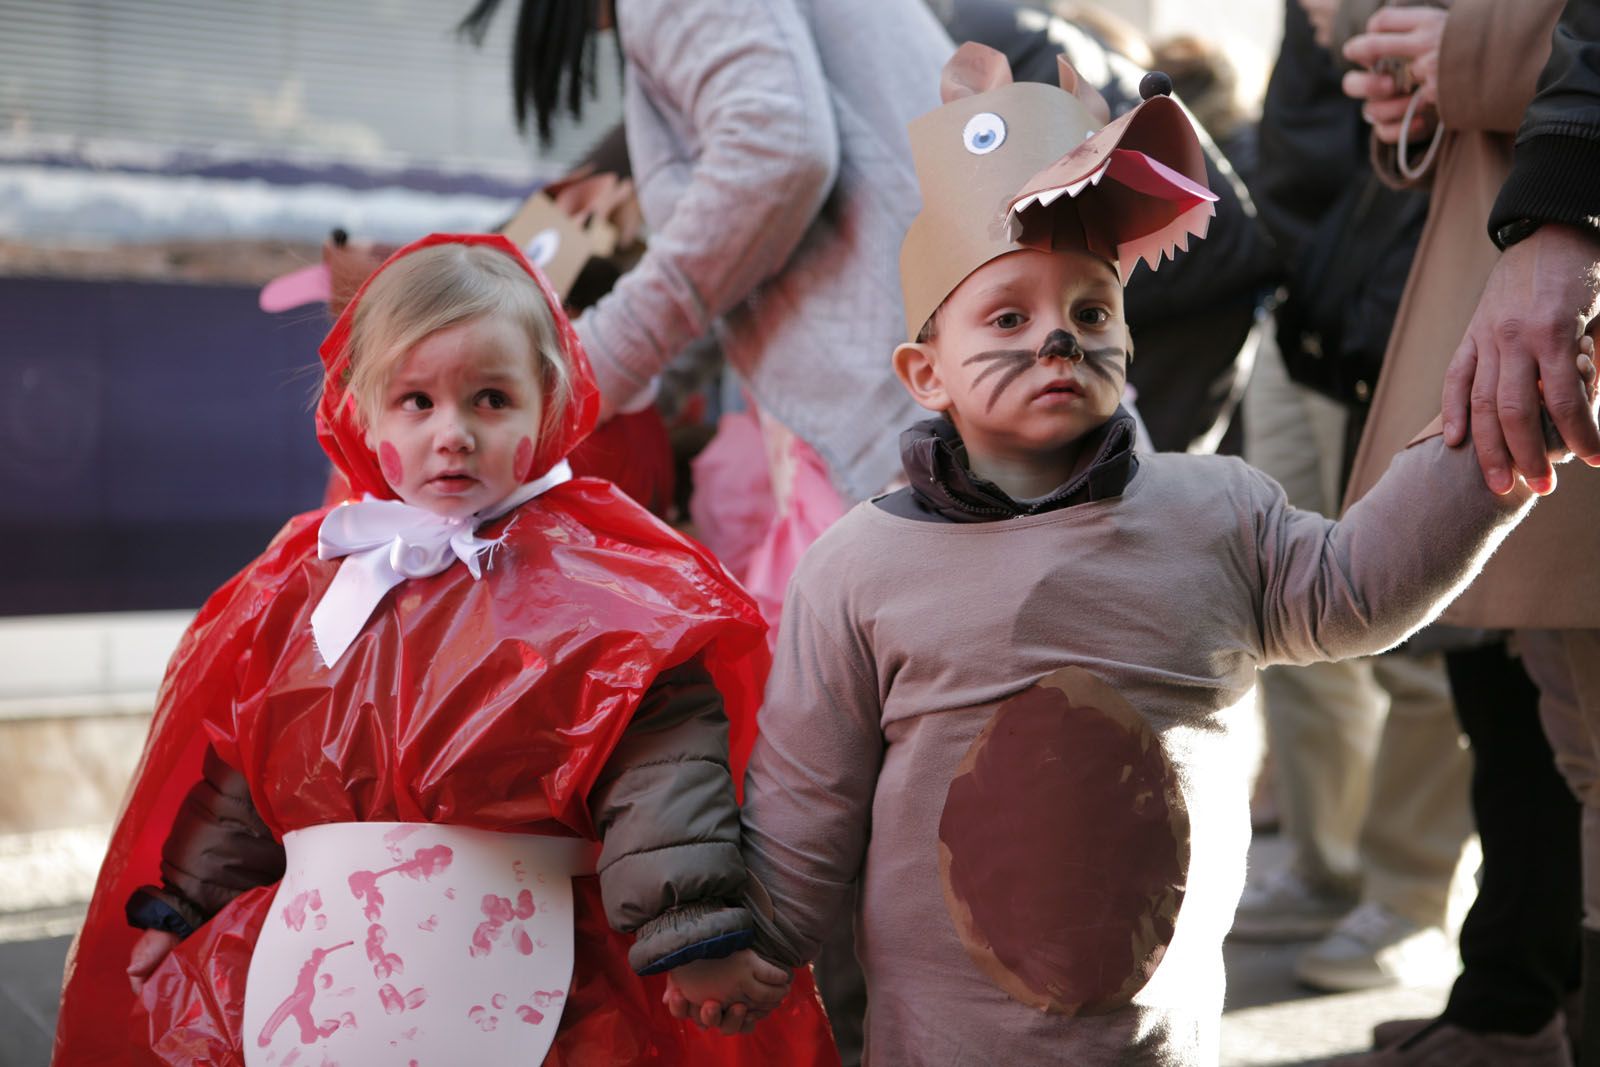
[995,144]
[553,241]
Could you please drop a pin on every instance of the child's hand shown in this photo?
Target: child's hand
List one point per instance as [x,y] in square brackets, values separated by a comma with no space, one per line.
[748,985]
[148,952]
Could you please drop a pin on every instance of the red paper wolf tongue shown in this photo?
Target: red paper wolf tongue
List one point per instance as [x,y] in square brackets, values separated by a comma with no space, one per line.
[995,144]
[1137,185]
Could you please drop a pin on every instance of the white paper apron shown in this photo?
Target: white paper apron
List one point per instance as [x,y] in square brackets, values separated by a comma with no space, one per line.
[414,944]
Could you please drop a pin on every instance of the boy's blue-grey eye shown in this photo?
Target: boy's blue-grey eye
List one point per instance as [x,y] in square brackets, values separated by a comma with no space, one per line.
[983,133]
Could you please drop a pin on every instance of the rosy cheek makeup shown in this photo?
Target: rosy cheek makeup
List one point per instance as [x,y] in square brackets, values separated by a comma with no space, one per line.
[389,461]
[522,464]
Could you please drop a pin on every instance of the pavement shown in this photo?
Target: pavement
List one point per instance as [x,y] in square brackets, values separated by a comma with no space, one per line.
[1269,1020]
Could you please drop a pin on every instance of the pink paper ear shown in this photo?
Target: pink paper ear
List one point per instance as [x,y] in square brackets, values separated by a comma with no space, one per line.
[1086,94]
[308,285]
[975,68]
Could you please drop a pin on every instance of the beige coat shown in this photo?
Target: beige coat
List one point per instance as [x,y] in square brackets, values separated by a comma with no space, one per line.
[1489,62]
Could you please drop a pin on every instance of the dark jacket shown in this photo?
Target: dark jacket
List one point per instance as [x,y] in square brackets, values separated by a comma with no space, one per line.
[670,869]
[1346,238]
[1558,146]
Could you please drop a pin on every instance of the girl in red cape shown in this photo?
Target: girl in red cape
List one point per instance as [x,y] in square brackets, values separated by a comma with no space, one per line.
[553,665]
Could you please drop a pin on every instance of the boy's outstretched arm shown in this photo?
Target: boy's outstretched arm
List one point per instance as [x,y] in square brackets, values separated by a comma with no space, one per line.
[1332,590]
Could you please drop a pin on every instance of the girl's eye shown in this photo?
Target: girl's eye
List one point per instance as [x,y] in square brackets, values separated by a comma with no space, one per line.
[415,402]
[494,398]
[1094,316]
[1008,320]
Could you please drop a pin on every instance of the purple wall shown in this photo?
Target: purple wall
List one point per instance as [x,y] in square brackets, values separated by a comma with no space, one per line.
[153,437]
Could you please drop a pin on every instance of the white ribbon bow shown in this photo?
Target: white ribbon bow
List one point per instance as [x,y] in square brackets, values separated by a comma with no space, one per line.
[387,541]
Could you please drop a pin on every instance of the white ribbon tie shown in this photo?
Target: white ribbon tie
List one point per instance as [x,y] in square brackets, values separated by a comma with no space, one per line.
[384,542]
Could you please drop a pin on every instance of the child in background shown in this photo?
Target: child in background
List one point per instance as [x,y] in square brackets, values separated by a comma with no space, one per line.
[437,745]
[1010,697]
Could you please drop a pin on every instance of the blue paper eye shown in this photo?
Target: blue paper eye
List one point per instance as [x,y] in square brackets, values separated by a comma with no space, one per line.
[983,133]
[542,247]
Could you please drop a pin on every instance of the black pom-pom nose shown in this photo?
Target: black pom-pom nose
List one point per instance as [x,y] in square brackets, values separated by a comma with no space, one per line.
[1154,84]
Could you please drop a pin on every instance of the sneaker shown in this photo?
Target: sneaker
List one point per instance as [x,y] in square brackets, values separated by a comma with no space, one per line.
[1283,906]
[1442,1044]
[1372,947]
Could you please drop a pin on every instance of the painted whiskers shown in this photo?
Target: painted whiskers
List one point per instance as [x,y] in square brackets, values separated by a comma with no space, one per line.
[1011,363]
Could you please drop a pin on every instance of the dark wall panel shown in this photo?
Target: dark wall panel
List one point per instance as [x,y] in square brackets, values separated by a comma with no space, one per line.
[152,439]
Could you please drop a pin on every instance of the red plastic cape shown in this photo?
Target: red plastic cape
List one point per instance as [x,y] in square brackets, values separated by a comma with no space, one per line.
[491,703]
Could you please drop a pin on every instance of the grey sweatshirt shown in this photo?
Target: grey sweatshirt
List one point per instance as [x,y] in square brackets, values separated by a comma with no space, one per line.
[901,639]
[768,141]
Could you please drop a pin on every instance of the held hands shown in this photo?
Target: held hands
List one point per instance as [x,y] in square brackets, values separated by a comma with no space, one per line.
[731,994]
[1399,53]
[148,952]
[1521,355]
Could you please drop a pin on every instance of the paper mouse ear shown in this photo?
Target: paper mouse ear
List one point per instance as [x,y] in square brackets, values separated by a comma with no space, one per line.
[1086,94]
[975,68]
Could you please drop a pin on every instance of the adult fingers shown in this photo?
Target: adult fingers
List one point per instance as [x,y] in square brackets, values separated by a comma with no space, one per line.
[1388,111]
[1365,49]
[678,1005]
[1487,439]
[1455,403]
[1401,20]
[1366,85]
[1566,397]
[1517,398]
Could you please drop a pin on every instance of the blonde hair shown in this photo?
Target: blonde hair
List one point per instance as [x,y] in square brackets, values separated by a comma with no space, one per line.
[438,287]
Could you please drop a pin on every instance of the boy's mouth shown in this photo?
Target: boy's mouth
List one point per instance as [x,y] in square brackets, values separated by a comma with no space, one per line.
[1062,386]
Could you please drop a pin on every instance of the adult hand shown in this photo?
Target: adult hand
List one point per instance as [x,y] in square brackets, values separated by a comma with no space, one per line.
[1401,44]
[1519,354]
[1321,14]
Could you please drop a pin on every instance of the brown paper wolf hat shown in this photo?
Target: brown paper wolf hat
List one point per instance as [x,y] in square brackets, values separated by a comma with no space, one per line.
[1005,166]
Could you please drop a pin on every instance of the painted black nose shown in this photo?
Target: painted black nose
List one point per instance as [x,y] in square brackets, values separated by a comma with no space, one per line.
[1061,345]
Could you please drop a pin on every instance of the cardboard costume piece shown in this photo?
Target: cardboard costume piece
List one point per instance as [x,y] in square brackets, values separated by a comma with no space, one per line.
[549,237]
[1003,166]
[491,704]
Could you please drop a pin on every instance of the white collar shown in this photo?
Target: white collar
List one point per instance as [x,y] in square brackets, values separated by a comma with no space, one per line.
[384,542]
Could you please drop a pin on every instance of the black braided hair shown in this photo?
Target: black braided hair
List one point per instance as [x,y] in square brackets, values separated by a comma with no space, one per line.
[554,45]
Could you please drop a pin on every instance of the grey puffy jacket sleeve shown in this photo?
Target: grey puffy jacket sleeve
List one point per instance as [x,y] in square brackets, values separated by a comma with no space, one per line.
[217,849]
[670,868]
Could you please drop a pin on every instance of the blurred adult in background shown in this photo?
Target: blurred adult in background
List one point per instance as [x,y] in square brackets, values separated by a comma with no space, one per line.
[1446,90]
[1371,779]
[1193,322]
[768,144]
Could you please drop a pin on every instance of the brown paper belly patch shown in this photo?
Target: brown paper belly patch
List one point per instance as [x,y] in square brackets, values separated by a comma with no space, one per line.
[1064,847]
